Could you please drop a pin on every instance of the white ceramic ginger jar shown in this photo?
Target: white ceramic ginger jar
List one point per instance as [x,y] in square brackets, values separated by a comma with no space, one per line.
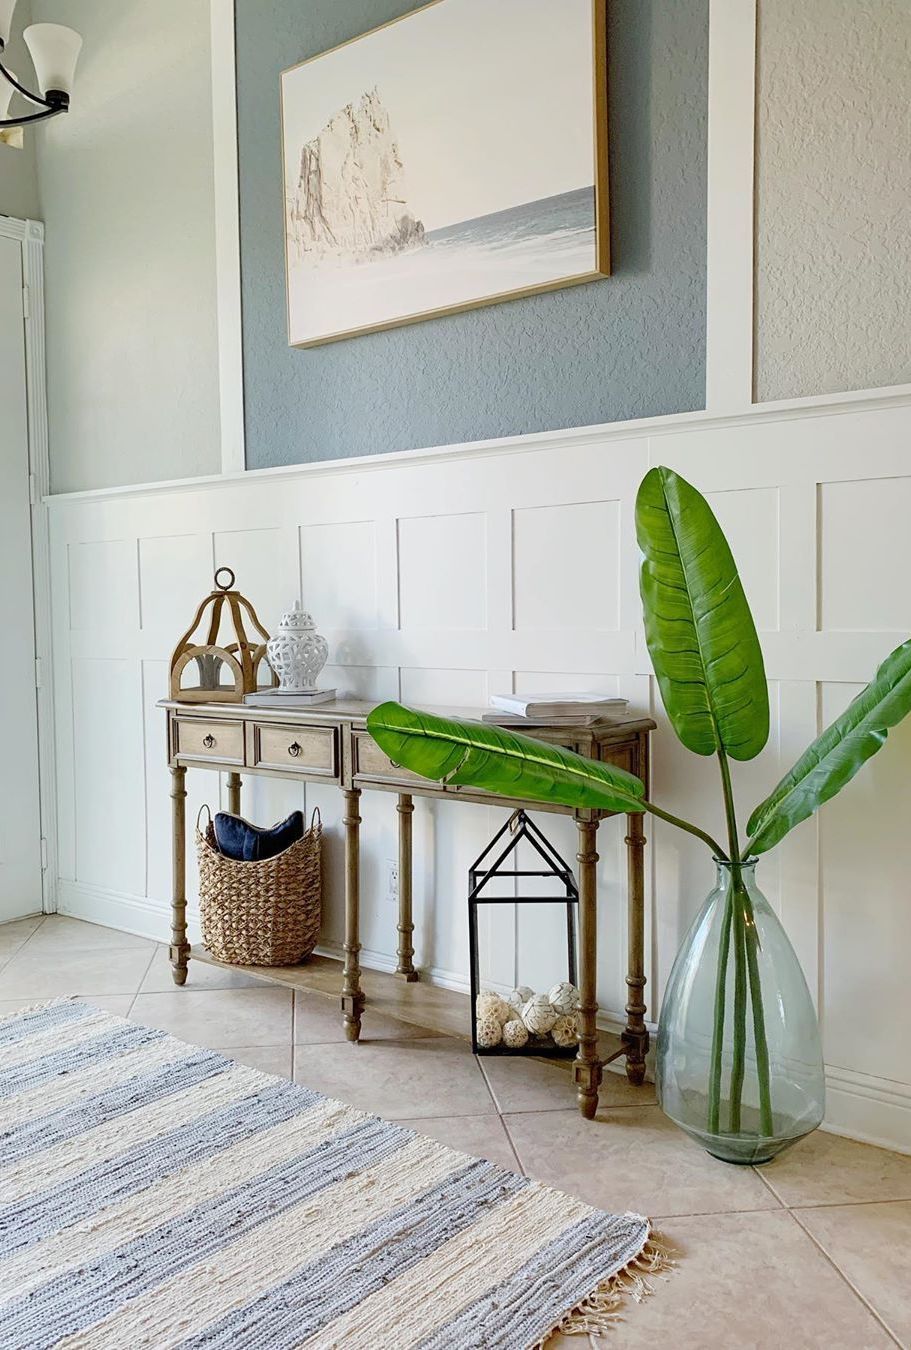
[297,652]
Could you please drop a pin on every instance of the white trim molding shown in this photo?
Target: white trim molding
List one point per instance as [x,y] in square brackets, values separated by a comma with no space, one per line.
[30,234]
[574,438]
[227,237]
[729,223]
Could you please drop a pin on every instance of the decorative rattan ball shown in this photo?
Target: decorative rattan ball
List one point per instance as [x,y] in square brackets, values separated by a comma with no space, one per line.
[564,1031]
[519,997]
[538,1015]
[491,1005]
[515,1034]
[489,1032]
[564,998]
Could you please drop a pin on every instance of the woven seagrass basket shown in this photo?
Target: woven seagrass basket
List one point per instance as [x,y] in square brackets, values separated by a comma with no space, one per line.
[260,913]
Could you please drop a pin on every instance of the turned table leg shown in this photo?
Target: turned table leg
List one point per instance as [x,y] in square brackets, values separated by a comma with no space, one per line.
[587,1065]
[179,950]
[405,967]
[635,1035]
[234,793]
[352,997]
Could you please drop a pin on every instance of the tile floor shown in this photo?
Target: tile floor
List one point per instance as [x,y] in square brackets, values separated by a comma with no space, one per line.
[813,1250]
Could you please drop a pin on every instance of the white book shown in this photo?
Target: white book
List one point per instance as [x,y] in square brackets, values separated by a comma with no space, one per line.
[587,719]
[280,698]
[556,705]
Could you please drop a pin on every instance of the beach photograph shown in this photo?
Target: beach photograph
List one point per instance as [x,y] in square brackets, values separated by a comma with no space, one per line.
[446,160]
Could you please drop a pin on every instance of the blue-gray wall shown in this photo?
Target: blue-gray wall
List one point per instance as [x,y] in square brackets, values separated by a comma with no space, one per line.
[629,346]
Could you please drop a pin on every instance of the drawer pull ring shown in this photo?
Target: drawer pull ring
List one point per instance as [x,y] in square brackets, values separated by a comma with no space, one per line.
[294,749]
[208,741]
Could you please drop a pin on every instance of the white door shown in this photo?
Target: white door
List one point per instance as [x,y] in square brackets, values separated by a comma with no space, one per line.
[20,820]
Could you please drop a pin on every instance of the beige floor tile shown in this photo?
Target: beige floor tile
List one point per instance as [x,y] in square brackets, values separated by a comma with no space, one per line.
[15,933]
[276,1059]
[631,1158]
[59,933]
[318,1021]
[480,1136]
[33,974]
[118,1004]
[870,1244]
[159,980]
[749,1282]
[219,1017]
[523,1084]
[825,1169]
[398,1080]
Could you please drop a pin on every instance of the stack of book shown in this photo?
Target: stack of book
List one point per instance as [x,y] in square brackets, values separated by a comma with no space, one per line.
[289,698]
[575,709]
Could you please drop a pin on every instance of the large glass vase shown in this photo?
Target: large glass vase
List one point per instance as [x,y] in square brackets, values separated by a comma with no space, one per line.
[739,1057]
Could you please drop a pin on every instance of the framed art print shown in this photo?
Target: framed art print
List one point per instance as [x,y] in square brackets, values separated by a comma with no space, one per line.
[453,158]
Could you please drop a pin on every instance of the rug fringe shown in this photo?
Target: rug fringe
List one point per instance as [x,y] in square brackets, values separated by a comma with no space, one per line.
[42,1006]
[598,1313]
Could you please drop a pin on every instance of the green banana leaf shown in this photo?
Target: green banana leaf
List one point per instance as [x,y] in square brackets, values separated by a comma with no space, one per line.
[836,756]
[698,625]
[485,756]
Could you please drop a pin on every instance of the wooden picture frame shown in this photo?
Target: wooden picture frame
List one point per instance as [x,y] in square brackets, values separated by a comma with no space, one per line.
[359,257]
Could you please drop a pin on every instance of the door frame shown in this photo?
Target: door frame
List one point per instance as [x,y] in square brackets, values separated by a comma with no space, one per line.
[30,236]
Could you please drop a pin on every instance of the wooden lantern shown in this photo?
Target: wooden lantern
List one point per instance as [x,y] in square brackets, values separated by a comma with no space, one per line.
[224,671]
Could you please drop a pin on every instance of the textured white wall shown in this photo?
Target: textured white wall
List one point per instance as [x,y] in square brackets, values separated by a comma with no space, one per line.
[833,196]
[18,168]
[126,183]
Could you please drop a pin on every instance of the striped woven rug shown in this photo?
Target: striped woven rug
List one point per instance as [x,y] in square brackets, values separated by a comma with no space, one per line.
[153,1194]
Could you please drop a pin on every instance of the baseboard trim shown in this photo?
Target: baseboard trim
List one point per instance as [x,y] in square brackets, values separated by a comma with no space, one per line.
[870,1109]
[134,914]
[859,1106]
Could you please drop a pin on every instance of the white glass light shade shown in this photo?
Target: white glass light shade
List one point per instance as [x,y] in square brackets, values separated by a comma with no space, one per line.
[6,19]
[6,95]
[54,50]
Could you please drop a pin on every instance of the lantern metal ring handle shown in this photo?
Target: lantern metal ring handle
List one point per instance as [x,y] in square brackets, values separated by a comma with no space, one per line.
[222,586]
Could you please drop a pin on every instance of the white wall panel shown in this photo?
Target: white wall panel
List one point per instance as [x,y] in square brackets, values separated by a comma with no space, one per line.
[567,566]
[750,521]
[864,541]
[102,584]
[339,573]
[441,579]
[174,573]
[266,567]
[864,878]
[108,755]
[464,688]
[443,571]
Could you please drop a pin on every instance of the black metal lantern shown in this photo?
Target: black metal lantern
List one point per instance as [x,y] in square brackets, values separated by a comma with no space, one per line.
[493,864]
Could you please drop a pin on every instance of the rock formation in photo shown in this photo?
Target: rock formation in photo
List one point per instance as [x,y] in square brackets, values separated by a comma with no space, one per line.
[349,200]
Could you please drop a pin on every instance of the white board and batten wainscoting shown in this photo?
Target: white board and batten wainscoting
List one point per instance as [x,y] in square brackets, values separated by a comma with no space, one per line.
[448,575]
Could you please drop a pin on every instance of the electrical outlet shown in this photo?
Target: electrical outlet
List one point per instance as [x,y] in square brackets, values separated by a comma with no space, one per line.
[392,881]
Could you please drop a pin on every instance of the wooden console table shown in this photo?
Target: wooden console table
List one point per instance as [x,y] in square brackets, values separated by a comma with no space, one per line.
[331,744]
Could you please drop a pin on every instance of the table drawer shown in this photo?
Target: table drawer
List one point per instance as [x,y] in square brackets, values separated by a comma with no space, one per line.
[208,738]
[623,756]
[372,765]
[289,749]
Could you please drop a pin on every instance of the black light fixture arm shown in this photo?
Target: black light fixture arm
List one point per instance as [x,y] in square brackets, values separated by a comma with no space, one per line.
[55,102]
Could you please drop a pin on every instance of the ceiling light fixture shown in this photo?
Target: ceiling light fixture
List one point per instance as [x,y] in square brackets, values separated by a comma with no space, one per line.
[54,51]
